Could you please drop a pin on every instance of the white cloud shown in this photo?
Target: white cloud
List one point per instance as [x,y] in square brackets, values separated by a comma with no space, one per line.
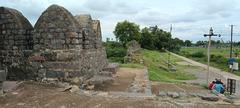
[190,18]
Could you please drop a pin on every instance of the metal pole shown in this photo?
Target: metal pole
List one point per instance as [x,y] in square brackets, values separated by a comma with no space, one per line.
[231,41]
[208,50]
[208,70]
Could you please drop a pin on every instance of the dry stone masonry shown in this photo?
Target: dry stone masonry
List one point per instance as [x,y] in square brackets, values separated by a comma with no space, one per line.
[60,47]
[16,43]
[133,46]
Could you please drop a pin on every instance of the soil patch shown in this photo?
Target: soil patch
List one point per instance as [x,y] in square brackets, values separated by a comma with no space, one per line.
[122,80]
[171,87]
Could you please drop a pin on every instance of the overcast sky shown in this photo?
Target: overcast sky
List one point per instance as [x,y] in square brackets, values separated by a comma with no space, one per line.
[190,18]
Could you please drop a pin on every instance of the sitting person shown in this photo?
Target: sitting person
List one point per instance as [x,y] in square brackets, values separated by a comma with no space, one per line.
[218,87]
[210,85]
[223,89]
[219,81]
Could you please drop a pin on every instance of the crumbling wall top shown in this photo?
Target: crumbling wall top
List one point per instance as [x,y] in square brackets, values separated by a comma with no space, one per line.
[85,21]
[56,17]
[17,17]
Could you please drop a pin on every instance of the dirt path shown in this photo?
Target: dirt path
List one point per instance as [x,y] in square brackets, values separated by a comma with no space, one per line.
[214,72]
[172,87]
[212,69]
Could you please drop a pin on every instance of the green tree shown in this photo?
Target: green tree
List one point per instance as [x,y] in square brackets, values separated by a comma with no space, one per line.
[146,39]
[187,43]
[127,31]
[200,43]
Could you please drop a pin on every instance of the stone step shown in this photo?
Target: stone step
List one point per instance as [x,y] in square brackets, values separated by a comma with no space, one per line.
[112,67]
[99,80]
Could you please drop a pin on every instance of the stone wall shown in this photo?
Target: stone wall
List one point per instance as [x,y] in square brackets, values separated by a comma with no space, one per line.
[133,46]
[97,30]
[16,42]
[85,23]
[56,29]
[67,46]
[61,47]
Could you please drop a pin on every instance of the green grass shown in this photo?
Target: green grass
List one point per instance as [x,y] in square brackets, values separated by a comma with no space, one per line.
[154,60]
[216,51]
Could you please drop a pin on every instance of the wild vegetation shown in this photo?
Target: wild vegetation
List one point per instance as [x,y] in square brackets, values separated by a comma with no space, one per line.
[154,42]
[219,57]
[155,61]
[158,68]
[152,38]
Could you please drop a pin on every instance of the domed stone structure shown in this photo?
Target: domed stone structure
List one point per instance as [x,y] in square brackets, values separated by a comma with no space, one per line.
[61,47]
[56,29]
[58,42]
[15,42]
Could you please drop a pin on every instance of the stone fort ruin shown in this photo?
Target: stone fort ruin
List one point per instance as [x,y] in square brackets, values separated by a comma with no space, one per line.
[60,47]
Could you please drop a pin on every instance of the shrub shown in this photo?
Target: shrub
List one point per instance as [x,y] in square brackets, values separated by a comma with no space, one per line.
[198,54]
[184,53]
[218,59]
[116,52]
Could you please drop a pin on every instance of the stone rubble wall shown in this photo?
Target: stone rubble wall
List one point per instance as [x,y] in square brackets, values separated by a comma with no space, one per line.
[16,42]
[133,46]
[85,23]
[61,47]
[97,30]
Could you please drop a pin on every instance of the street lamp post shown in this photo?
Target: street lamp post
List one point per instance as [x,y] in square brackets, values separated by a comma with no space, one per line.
[208,51]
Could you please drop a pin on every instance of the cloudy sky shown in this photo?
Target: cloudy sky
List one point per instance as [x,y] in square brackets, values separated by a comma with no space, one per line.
[190,18]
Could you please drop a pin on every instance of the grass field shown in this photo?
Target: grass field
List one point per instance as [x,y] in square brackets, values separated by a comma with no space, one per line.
[217,51]
[225,52]
[156,62]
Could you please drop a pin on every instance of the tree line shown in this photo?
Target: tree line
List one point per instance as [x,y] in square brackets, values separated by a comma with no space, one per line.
[152,38]
[214,43]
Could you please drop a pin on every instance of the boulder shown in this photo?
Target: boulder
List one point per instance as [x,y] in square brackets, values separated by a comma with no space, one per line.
[162,94]
[173,94]
[112,67]
[209,97]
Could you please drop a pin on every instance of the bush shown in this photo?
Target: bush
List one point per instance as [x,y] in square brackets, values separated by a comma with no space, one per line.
[198,54]
[115,51]
[218,59]
[184,53]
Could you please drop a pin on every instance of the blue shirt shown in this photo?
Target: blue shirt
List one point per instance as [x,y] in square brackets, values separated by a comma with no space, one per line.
[218,87]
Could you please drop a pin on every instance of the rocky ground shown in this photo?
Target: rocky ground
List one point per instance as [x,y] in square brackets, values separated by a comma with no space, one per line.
[42,96]
[129,91]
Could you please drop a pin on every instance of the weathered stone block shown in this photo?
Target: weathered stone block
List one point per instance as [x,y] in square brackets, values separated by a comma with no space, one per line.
[55,74]
[2,75]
